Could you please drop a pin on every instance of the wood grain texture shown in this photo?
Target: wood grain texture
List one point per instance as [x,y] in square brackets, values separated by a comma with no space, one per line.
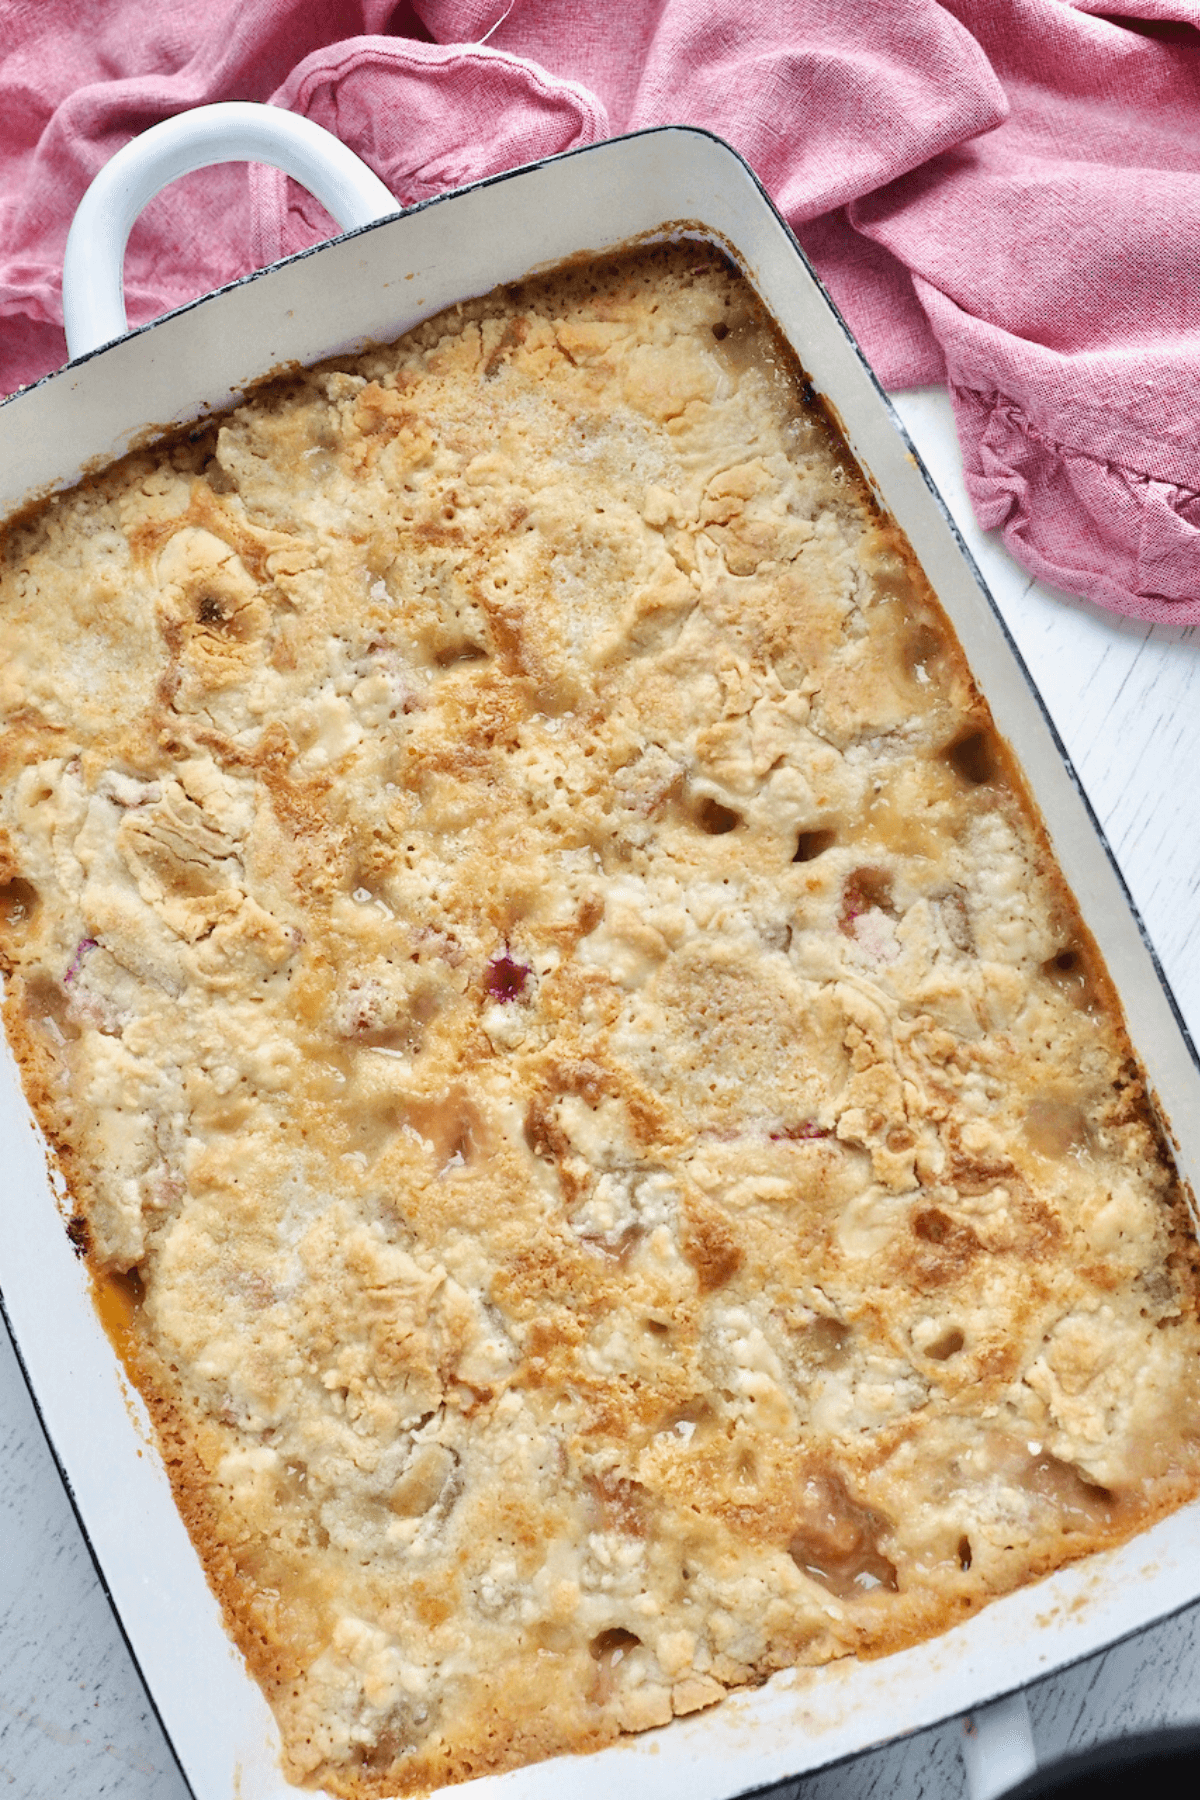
[74,1718]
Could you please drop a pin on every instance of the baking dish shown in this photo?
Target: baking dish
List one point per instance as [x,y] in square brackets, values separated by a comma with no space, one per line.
[357,289]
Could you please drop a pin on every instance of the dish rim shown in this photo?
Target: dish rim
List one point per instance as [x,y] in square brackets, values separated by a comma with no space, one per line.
[997,618]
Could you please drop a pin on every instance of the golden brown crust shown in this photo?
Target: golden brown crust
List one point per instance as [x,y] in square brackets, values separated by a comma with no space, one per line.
[603,1139]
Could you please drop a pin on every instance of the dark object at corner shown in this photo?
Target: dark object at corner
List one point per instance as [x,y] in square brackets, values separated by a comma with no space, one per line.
[1164,1765]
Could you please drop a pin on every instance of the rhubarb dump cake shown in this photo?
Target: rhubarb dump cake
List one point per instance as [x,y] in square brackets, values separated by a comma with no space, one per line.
[564,1033]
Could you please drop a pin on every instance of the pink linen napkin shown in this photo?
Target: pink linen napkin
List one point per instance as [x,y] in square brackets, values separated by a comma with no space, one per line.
[1000,194]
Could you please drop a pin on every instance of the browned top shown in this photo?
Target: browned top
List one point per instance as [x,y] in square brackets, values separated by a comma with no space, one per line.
[536,960]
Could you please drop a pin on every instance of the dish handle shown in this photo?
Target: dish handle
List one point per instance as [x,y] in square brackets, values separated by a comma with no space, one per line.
[231,131]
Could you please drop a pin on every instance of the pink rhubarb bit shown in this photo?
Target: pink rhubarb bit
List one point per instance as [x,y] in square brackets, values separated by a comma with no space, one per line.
[790,1133]
[505,979]
[81,950]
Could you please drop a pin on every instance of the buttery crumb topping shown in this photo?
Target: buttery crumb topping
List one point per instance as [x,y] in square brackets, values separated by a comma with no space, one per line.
[565,1036]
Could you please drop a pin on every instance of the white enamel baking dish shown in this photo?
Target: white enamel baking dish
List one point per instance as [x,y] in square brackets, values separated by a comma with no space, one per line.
[367,286]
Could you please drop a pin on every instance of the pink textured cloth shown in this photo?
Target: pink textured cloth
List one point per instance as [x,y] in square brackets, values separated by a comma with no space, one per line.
[1000,194]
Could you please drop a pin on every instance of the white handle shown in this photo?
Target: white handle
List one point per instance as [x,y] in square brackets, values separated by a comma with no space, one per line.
[997,1747]
[233,131]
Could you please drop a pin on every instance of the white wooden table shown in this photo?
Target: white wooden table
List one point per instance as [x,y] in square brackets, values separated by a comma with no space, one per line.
[74,1718]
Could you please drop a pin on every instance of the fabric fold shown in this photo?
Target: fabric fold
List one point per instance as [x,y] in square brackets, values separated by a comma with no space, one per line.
[1084,523]
[425,118]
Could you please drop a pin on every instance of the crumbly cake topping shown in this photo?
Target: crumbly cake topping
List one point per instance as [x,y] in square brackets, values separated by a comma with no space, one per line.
[623,1164]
